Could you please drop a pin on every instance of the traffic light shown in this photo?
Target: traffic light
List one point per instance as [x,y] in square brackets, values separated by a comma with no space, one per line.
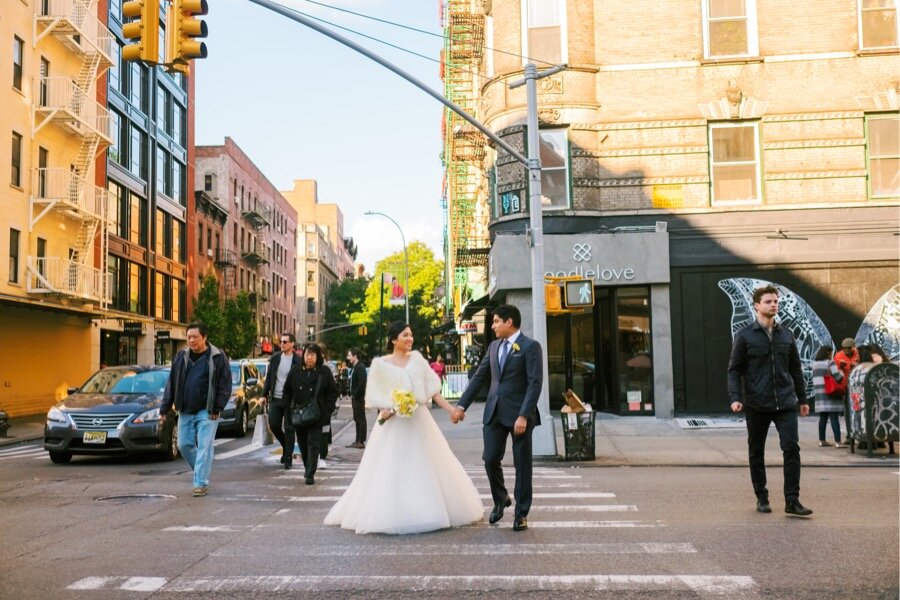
[578,294]
[143,29]
[362,330]
[183,29]
[552,297]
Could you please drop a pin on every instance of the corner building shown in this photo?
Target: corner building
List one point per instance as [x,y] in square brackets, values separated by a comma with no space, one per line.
[690,148]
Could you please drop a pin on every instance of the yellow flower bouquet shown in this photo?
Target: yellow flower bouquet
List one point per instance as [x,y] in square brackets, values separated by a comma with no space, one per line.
[404,404]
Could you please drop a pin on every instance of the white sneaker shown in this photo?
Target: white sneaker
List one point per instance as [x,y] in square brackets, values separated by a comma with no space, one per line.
[322,464]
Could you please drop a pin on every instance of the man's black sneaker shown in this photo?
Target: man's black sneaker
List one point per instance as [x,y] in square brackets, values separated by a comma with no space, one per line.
[793,507]
[762,505]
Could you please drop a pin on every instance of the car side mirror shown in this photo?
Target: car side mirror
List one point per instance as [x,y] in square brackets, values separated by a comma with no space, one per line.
[71,390]
[252,381]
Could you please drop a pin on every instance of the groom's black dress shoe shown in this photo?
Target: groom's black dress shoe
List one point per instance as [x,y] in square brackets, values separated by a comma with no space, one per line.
[762,505]
[497,513]
[520,524]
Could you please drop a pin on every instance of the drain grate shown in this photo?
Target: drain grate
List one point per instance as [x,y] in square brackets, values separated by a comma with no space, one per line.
[135,497]
[709,424]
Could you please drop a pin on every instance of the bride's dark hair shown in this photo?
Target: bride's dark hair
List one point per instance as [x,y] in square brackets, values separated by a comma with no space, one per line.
[394,331]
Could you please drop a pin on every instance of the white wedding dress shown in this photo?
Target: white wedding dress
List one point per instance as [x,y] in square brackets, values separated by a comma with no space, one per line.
[408,481]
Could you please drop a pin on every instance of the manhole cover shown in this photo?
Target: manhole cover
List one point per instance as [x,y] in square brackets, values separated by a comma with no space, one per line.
[135,497]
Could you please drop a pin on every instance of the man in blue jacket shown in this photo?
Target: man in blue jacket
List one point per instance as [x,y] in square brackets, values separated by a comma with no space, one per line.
[199,387]
[765,381]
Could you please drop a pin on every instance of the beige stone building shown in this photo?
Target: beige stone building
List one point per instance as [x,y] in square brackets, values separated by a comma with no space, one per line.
[324,255]
[690,149]
[54,222]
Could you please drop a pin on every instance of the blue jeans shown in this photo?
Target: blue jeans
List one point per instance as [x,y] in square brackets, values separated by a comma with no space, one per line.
[195,440]
[835,418]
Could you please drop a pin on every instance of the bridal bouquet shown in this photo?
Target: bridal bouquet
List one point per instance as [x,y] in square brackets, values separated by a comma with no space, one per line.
[404,404]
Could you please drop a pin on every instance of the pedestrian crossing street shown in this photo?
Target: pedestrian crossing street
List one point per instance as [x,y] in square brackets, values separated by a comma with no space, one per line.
[575,510]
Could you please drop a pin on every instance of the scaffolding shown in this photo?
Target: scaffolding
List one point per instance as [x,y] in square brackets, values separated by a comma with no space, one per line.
[465,241]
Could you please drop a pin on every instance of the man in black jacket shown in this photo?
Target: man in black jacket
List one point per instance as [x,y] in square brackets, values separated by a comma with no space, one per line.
[199,386]
[358,396]
[765,380]
[280,366]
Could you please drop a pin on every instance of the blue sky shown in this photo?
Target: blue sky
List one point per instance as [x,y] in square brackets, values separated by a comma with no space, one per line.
[303,106]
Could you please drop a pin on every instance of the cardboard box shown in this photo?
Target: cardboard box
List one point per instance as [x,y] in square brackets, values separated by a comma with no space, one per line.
[573,403]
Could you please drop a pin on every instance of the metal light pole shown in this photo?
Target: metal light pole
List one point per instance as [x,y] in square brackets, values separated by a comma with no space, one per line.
[405,254]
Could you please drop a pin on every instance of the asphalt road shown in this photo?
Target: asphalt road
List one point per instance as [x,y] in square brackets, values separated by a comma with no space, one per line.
[86,530]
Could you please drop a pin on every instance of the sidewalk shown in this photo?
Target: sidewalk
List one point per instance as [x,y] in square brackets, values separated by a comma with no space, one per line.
[619,442]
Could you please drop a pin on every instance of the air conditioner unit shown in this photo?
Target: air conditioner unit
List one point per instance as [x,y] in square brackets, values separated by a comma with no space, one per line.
[209,252]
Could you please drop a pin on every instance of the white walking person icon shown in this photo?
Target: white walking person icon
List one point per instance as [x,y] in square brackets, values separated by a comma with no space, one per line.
[584,294]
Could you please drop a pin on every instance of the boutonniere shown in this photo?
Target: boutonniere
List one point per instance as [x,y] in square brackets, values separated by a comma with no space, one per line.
[515,347]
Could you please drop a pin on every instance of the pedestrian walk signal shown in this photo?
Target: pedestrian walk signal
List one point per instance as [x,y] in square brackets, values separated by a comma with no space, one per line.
[578,294]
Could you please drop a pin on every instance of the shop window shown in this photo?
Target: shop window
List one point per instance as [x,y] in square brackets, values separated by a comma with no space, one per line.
[735,172]
[878,24]
[729,28]
[634,356]
[884,155]
[544,24]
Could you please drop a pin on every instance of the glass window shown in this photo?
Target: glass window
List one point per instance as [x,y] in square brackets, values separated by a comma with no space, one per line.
[177,245]
[137,85]
[124,139]
[554,169]
[160,170]
[161,112]
[177,300]
[159,246]
[200,238]
[115,123]
[44,89]
[137,289]
[177,182]
[634,357]
[878,26]
[545,31]
[136,152]
[117,209]
[137,220]
[884,155]
[729,28]
[15,177]
[115,9]
[14,256]
[41,254]
[311,306]
[734,150]
[159,293]
[112,75]
[18,57]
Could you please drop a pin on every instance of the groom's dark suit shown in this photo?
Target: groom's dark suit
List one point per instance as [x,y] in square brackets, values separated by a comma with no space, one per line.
[514,392]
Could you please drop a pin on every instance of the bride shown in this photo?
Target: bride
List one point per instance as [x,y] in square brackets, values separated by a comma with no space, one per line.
[409,481]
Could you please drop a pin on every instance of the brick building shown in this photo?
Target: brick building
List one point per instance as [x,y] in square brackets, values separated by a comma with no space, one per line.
[690,148]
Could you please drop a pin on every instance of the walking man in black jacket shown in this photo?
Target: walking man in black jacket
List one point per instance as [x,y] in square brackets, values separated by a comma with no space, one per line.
[765,380]
[199,387]
[280,366]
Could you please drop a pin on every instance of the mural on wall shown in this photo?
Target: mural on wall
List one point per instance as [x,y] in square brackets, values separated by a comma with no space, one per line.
[793,313]
[881,325]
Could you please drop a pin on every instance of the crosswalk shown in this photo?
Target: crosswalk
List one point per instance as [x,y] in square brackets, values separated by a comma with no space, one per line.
[226,448]
[680,569]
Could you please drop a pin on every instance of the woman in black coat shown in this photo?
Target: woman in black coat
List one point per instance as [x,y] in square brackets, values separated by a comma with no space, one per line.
[313,382]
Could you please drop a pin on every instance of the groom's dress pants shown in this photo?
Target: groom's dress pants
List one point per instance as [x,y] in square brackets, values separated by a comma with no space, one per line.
[495,434]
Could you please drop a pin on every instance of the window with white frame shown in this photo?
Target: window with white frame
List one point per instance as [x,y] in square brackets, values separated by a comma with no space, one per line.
[729,28]
[878,25]
[734,163]
[544,27]
[554,169]
[884,155]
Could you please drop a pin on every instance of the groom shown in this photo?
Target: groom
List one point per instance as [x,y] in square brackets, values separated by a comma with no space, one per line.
[513,367]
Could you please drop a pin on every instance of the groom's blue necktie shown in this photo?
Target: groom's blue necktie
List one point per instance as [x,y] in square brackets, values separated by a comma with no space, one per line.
[504,349]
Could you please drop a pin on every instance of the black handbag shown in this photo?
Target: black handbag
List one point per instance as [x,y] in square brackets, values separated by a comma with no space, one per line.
[306,416]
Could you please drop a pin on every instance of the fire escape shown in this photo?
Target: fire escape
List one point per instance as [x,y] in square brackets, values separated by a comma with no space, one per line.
[69,103]
[256,254]
[466,244]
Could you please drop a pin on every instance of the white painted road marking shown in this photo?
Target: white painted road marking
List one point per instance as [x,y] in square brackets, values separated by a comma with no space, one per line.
[472,549]
[707,584]
[242,450]
[202,528]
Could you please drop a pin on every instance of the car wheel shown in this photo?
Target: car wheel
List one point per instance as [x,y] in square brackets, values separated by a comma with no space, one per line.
[60,458]
[243,423]
[171,451]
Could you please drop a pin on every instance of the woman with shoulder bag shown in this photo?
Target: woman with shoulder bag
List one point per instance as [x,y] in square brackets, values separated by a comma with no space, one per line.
[830,389]
[312,394]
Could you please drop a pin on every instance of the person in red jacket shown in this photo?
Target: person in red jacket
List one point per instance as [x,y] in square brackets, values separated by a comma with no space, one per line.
[847,358]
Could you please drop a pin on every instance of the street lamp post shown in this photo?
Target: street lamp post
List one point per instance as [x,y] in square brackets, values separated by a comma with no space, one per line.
[405,254]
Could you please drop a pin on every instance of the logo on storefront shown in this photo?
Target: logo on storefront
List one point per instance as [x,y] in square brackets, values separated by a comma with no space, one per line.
[581,252]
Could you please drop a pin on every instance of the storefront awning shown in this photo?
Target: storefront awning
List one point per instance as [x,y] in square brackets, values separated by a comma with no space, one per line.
[473,306]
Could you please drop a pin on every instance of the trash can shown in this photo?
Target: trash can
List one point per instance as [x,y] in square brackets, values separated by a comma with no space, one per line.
[578,435]
[874,390]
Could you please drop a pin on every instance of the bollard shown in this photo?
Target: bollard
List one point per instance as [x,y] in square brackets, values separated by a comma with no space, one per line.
[4,423]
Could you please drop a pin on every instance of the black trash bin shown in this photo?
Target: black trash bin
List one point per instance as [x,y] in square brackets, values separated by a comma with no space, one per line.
[578,435]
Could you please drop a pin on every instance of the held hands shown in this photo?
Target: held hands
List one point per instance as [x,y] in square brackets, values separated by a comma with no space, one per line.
[457,414]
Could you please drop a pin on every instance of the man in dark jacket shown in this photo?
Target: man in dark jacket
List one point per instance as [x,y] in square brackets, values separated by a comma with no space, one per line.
[314,382]
[765,380]
[358,396]
[280,366]
[199,386]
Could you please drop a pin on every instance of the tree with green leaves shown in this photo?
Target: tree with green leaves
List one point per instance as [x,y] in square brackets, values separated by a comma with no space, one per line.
[344,305]
[240,326]
[208,308]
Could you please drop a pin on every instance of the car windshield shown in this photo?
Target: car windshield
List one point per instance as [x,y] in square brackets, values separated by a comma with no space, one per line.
[123,381]
[235,375]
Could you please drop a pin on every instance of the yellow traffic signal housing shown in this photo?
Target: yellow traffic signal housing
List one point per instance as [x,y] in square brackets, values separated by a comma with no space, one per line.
[553,297]
[144,30]
[183,30]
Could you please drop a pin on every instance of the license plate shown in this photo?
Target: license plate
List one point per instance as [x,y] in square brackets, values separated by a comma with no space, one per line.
[94,437]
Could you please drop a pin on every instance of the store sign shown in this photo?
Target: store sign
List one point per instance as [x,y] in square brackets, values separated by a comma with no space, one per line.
[510,203]
[133,328]
[466,327]
[162,334]
[582,255]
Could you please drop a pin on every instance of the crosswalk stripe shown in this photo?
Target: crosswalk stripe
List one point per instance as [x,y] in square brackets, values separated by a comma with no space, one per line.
[709,584]
[23,453]
[587,507]
[581,549]
[237,452]
[593,524]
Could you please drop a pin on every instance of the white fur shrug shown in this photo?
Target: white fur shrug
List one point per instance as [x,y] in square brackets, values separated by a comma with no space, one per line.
[384,378]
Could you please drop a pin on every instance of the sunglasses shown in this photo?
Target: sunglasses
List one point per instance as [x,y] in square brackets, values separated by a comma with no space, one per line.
[286,342]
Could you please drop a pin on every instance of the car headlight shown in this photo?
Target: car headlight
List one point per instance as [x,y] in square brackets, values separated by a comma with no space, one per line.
[57,416]
[150,415]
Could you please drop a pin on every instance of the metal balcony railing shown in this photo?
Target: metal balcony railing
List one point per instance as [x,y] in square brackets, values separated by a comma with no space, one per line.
[59,276]
[256,253]
[77,26]
[60,100]
[258,216]
[60,188]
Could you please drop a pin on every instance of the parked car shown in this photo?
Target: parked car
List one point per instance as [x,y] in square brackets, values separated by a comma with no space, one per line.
[116,411]
[262,365]
[246,393]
